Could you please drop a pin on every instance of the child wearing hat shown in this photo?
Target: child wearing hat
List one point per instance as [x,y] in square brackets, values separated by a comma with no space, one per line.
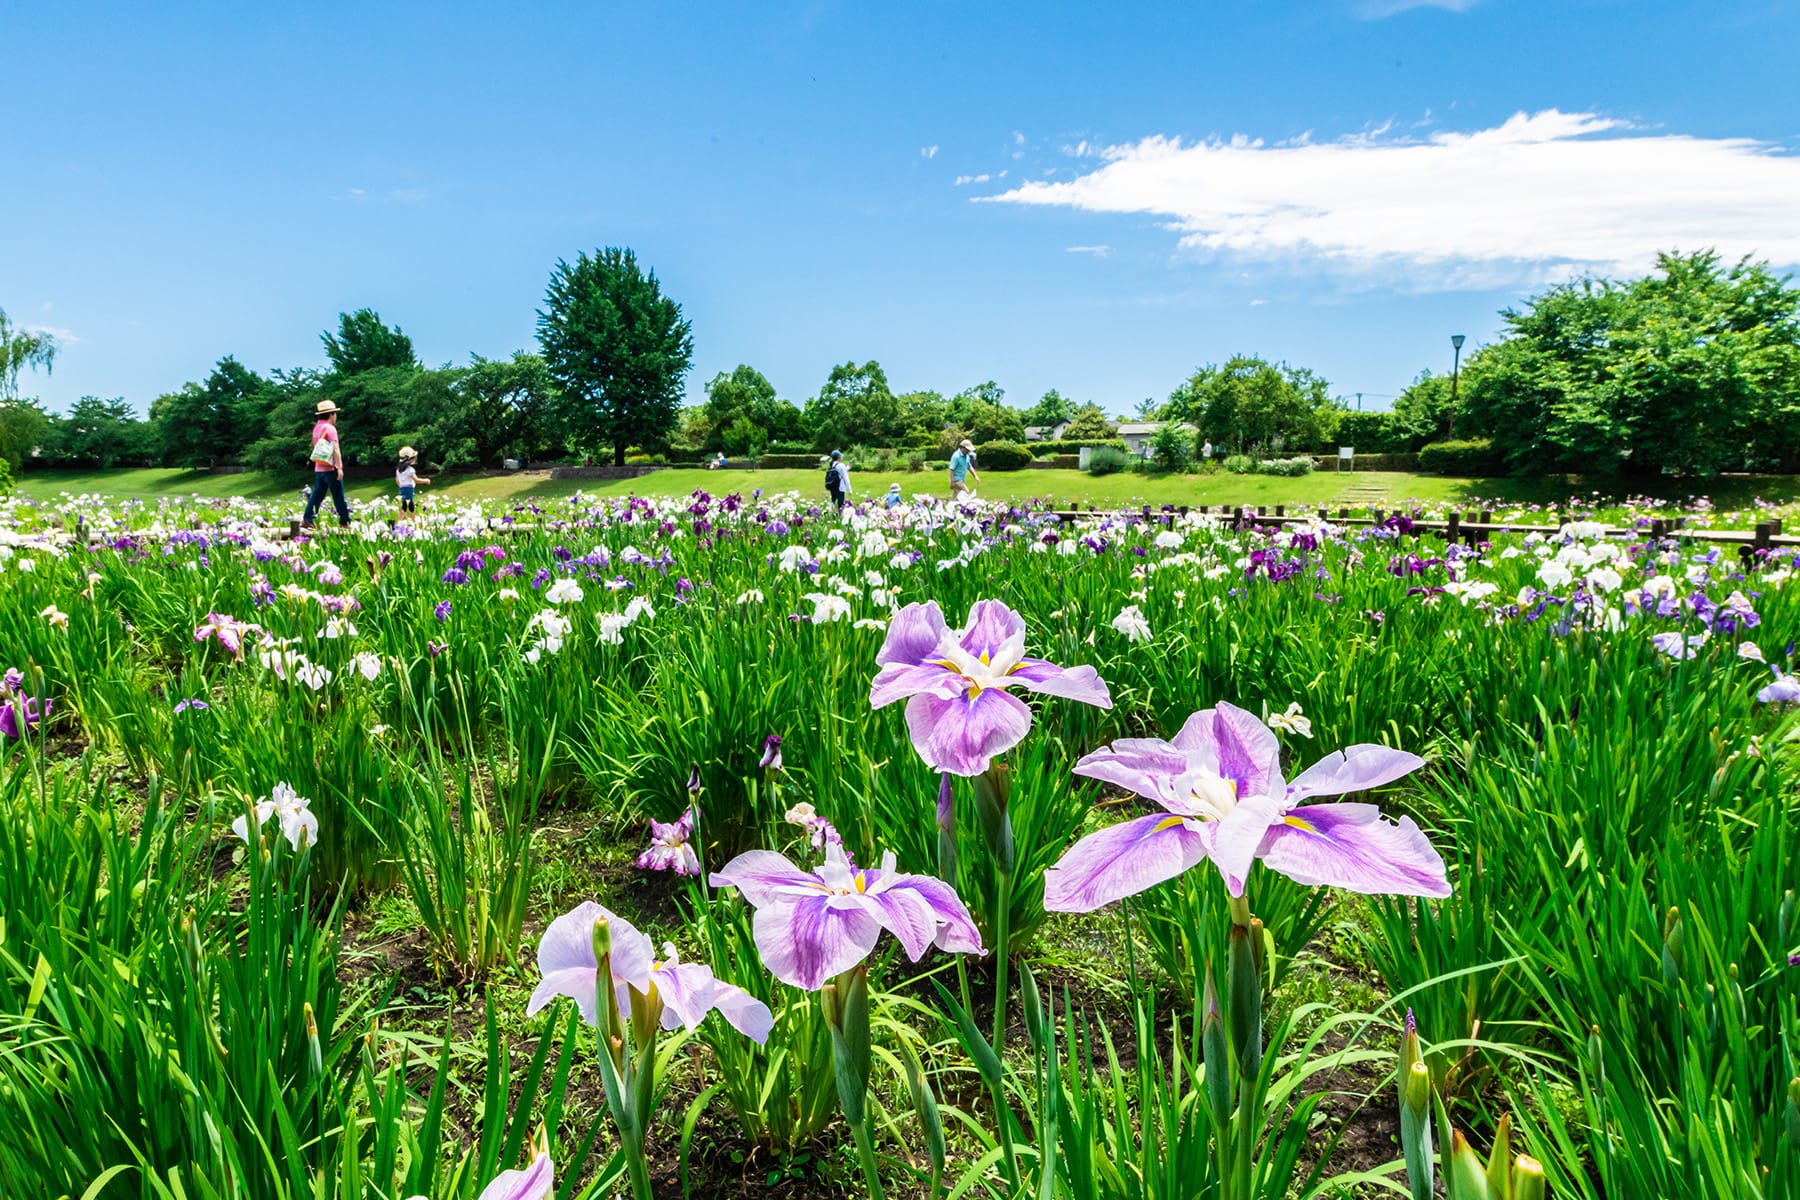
[893,496]
[408,477]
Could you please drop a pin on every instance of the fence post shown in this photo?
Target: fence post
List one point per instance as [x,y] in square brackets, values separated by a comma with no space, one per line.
[1763,533]
[1378,513]
[1451,527]
[293,528]
[1281,510]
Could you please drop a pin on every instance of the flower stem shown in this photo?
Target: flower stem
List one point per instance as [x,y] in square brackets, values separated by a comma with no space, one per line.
[1002,922]
[639,1171]
[865,1151]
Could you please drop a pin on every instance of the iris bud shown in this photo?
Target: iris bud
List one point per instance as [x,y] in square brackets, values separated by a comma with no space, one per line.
[1527,1178]
[1674,944]
[1467,1179]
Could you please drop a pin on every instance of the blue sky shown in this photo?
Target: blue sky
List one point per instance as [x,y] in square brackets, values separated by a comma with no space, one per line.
[1044,194]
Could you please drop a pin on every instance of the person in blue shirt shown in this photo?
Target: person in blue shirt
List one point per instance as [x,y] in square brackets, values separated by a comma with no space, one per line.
[893,496]
[962,465]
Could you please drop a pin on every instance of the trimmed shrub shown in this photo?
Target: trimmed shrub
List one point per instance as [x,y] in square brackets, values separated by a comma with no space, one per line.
[1002,456]
[1108,460]
[777,462]
[1240,464]
[1474,457]
[1073,445]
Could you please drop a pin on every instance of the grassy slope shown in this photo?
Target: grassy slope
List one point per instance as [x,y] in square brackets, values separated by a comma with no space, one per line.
[1330,488]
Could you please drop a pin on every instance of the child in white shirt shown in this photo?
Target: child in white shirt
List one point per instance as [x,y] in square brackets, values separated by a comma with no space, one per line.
[408,477]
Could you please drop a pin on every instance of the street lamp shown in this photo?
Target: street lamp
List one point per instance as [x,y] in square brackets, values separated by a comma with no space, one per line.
[1456,341]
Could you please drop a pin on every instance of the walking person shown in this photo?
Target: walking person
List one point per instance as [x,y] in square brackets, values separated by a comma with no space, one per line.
[837,480]
[962,465]
[407,477]
[328,466]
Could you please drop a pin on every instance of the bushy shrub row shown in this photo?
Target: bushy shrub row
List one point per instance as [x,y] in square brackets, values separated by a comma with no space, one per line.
[1073,445]
[1109,460]
[1002,456]
[1476,456]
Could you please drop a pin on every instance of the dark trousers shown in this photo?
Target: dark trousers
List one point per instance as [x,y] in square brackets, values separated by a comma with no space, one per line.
[837,499]
[327,482]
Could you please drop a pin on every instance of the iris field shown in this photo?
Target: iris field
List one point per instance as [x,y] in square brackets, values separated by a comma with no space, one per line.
[719,846]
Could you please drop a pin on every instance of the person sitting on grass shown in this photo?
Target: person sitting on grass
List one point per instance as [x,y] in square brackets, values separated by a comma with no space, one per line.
[408,477]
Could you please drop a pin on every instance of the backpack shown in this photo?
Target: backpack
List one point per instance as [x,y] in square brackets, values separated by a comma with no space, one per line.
[832,483]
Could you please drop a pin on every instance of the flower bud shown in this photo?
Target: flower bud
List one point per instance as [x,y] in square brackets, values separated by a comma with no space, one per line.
[1468,1181]
[1243,986]
[1527,1178]
[1785,920]
[1793,1113]
[1674,943]
[315,1054]
[1215,1052]
[1499,1166]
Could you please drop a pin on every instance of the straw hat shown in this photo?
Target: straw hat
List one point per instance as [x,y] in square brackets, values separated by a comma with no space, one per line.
[325,408]
[407,453]
[966,444]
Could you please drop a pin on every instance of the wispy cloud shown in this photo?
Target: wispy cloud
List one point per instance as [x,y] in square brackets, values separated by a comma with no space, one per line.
[1375,10]
[928,151]
[1096,251]
[56,333]
[964,180]
[391,196]
[1538,196]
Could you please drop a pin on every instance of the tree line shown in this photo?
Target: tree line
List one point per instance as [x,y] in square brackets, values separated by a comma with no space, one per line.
[1693,369]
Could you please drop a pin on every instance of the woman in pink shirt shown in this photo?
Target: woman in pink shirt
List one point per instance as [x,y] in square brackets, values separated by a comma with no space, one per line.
[328,471]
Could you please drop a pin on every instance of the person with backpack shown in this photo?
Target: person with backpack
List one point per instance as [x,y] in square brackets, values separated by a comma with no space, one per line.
[837,480]
[328,466]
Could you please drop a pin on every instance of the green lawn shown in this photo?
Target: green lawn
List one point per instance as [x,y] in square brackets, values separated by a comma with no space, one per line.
[1334,489]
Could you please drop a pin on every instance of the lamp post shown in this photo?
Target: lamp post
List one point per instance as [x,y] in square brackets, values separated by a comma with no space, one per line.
[1456,341]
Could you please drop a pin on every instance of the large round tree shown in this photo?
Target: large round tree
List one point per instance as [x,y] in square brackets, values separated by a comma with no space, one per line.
[617,349]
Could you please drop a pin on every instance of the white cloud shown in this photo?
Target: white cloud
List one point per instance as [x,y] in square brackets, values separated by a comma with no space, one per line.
[1096,251]
[1375,10]
[966,179]
[1539,196]
[928,151]
[56,333]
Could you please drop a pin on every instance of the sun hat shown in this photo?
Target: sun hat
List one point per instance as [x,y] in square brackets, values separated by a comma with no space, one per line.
[894,487]
[836,454]
[407,452]
[325,408]
[966,444]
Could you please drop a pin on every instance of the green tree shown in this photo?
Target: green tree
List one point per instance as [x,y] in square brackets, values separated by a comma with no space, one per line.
[1049,409]
[982,411]
[1694,369]
[1249,403]
[23,426]
[19,349]
[744,438]
[855,407]
[923,417]
[1089,423]
[102,433]
[1172,447]
[203,425]
[746,394]
[617,348]
[363,343]
[1422,411]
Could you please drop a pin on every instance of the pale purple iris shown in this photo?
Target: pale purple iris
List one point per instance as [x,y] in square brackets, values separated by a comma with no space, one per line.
[771,755]
[810,927]
[1220,782]
[535,1182]
[954,683]
[1785,689]
[669,848]
[688,991]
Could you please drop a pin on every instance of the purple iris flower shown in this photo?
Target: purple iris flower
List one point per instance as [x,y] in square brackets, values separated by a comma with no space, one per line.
[771,755]
[194,705]
[688,991]
[810,927]
[669,847]
[442,611]
[954,682]
[19,714]
[455,576]
[1785,689]
[1221,786]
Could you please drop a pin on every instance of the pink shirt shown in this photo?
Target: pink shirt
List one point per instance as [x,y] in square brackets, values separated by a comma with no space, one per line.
[328,431]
